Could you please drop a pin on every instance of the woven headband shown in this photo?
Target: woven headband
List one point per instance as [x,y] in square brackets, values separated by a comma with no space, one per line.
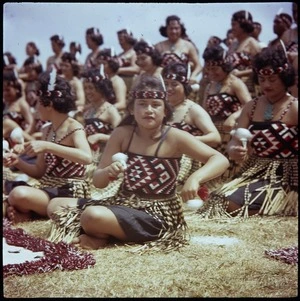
[95,79]
[148,94]
[147,50]
[55,93]
[177,77]
[214,63]
[270,71]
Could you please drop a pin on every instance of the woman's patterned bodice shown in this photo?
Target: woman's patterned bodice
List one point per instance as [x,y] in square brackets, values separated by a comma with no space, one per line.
[97,126]
[222,105]
[182,125]
[171,57]
[274,139]
[147,176]
[239,60]
[63,168]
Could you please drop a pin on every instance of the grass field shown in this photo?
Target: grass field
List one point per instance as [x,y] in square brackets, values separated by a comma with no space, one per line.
[224,259]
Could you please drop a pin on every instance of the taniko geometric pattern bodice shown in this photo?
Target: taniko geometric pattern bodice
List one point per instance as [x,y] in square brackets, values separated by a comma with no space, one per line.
[274,139]
[222,105]
[173,57]
[182,125]
[239,60]
[96,125]
[148,175]
[63,168]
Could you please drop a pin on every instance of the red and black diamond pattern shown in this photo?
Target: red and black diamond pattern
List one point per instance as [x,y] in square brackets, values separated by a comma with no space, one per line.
[277,140]
[169,58]
[222,105]
[188,128]
[95,126]
[147,175]
[63,168]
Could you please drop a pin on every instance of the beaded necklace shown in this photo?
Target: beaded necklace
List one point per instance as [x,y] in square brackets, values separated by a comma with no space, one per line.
[268,114]
[269,110]
[55,131]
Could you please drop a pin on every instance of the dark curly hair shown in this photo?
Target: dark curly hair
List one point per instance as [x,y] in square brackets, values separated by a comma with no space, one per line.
[59,40]
[144,47]
[62,99]
[68,57]
[9,78]
[33,63]
[274,58]
[107,55]
[169,19]
[244,18]
[146,83]
[102,85]
[95,35]
[76,46]
[180,69]
[10,58]
[216,54]
[128,35]
[33,45]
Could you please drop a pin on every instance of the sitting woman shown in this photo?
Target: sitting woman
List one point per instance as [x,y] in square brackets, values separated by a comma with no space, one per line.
[267,183]
[100,116]
[224,97]
[187,115]
[146,210]
[62,155]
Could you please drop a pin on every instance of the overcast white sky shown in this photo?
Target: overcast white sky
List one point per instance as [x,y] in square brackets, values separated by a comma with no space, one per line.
[24,22]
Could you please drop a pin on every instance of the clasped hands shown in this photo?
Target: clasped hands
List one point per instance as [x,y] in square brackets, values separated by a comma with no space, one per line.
[30,148]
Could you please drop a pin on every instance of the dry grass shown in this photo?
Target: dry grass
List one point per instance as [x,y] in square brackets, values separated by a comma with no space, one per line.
[238,270]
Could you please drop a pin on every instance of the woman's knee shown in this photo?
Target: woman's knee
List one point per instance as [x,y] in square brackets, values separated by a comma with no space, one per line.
[18,195]
[92,215]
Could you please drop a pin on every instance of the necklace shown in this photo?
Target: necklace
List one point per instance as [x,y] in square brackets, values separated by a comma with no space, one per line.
[55,131]
[219,86]
[269,110]
[175,107]
[268,114]
[172,46]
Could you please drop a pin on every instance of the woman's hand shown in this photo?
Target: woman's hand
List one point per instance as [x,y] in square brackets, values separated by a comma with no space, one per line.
[229,124]
[189,190]
[33,148]
[18,149]
[10,159]
[114,170]
[237,152]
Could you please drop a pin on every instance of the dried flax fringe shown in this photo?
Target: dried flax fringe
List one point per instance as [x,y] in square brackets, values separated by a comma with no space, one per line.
[283,203]
[170,241]
[65,225]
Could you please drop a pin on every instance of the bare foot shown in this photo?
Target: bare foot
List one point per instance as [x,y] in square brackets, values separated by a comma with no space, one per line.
[89,242]
[17,217]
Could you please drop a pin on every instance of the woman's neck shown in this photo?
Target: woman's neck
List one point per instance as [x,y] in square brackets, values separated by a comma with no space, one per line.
[173,44]
[278,98]
[242,37]
[178,103]
[58,121]
[153,135]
